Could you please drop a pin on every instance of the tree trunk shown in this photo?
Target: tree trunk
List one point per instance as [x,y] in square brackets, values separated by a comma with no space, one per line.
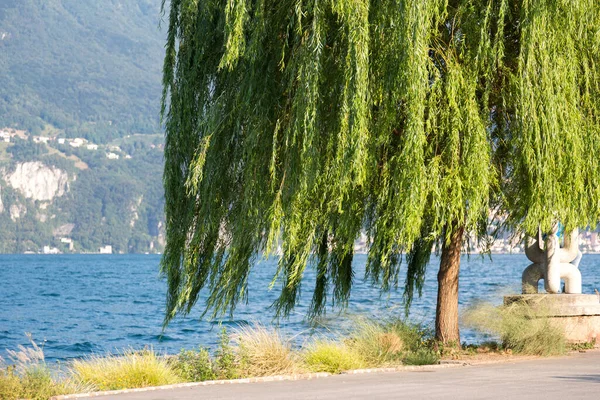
[446,314]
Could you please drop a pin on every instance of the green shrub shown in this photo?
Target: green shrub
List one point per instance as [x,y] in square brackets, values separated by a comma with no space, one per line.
[333,357]
[193,366]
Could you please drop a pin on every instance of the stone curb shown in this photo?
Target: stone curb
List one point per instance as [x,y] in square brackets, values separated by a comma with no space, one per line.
[443,365]
[295,377]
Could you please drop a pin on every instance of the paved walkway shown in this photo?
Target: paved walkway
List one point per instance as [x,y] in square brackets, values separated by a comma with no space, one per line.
[574,377]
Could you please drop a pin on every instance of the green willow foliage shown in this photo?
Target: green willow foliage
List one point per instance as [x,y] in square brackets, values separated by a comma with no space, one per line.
[557,107]
[299,123]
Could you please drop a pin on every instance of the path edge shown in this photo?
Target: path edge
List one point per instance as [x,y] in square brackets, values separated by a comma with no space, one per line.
[275,378]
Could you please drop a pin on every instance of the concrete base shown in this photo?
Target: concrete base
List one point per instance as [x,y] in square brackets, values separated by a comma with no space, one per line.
[577,314]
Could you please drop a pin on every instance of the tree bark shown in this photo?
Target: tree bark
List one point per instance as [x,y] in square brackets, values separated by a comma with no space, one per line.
[446,314]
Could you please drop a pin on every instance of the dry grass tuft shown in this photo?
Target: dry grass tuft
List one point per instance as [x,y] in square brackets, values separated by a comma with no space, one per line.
[378,344]
[390,343]
[264,352]
[126,371]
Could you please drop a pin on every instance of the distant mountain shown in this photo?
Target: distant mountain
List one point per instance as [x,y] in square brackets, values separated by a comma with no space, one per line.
[81,67]
[89,70]
[72,195]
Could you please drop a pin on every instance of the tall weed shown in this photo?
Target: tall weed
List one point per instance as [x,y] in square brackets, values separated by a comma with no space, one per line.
[226,362]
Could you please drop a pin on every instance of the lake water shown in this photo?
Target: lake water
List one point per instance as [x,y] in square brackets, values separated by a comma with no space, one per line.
[82,304]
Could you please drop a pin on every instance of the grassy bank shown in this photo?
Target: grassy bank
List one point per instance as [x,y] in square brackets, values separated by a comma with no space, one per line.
[249,351]
[254,351]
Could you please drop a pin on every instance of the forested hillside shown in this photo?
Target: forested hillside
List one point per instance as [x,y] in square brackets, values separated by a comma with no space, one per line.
[87,68]
[80,140]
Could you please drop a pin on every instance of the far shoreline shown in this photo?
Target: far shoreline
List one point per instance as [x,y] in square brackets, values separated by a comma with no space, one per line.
[159,254]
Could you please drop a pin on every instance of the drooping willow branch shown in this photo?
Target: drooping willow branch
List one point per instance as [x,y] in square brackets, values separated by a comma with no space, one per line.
[300,124]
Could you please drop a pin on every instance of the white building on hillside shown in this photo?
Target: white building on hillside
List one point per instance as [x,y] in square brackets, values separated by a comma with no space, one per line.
[41,139]
[50,250]
[77,142]
[68,241]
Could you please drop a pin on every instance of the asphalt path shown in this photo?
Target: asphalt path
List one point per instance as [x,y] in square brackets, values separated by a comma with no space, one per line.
[568,378]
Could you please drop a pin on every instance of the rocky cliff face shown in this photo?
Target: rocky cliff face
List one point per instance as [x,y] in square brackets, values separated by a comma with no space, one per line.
[37,181]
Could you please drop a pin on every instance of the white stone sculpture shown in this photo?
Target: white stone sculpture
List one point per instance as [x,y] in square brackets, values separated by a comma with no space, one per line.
[552,263]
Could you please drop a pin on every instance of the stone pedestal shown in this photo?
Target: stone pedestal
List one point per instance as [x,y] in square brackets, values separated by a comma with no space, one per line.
[577,314]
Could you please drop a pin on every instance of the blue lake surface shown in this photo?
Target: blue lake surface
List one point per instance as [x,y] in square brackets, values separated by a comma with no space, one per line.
[82,304]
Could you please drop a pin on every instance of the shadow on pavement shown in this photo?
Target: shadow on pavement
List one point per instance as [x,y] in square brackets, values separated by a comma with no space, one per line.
[586,378]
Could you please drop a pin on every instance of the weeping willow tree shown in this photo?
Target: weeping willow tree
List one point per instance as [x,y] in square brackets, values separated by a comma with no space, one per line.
[299,124]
